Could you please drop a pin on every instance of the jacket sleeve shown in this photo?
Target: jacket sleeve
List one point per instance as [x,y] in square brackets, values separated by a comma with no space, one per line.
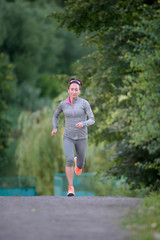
[56,116]
[91,119]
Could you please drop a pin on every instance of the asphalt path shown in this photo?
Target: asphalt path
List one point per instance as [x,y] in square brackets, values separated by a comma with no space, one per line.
[64,218]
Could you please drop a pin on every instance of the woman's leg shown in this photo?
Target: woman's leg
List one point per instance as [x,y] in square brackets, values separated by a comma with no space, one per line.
[69,174]
[68,148]
[81,148]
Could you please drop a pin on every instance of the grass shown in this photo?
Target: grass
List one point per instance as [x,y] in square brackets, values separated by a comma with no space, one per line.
[144,222]
[113,187]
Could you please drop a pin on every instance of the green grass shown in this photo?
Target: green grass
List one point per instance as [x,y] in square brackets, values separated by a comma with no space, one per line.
[144,222]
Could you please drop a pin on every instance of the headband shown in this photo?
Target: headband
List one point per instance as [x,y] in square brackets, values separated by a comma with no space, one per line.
[75,81]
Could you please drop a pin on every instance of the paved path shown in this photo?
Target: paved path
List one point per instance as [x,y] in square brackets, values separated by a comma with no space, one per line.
[63,218]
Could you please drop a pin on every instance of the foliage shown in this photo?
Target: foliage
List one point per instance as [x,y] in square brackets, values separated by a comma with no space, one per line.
[7,79]
[99,17]
[28,36]
[57,83]
[122,81]
[26,39]
[38,154]
[111,186]
[38,54]
[142,89]
[29,98]
[144,222]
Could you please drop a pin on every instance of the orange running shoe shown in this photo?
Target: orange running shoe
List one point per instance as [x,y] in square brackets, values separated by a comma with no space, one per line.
[78,171]
[70,191]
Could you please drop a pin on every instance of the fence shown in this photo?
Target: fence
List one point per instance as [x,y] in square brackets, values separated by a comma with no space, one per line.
[17,186]
[83,184]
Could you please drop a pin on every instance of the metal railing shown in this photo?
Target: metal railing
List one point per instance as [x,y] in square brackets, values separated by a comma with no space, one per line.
[83,184]
[17,186]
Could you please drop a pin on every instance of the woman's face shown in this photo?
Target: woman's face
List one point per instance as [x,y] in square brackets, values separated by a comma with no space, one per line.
[74,90]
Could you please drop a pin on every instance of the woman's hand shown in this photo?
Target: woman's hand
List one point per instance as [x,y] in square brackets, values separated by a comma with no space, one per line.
[53,132]
[79,125]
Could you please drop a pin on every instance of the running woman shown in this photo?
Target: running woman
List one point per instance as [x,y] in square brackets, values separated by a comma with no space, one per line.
[76,111]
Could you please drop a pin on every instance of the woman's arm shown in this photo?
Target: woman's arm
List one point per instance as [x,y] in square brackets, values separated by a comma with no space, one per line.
[91,119]
[56,116]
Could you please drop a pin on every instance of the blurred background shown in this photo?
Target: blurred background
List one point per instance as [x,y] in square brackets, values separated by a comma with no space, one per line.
[114,48]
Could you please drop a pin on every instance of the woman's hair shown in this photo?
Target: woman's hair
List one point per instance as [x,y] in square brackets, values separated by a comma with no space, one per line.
[75,80]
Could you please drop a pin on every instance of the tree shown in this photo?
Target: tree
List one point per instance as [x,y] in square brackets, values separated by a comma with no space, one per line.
[39,55]
[31,42]
[121,73]
[7,79]
[38,154]
[28,39]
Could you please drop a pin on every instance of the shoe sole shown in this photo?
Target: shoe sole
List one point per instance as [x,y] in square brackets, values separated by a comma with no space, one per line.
[70,195]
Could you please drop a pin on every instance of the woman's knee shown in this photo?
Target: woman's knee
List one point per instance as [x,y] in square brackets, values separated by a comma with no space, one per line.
[69,162]
[80,163]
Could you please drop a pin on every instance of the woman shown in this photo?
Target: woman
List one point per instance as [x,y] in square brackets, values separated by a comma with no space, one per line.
[76,111]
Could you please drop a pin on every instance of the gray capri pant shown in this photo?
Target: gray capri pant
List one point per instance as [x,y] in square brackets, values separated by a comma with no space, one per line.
[80,145]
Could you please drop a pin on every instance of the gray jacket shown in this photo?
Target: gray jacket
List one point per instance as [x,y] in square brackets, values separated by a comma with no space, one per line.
[78,112]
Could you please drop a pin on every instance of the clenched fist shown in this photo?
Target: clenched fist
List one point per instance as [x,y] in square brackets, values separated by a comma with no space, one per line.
[53,132]
[79,125]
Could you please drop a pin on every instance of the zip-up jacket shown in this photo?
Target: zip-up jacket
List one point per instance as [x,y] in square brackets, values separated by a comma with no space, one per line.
[75,113]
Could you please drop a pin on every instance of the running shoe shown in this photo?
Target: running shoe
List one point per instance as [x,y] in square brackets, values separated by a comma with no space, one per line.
[70,191]
[78,171]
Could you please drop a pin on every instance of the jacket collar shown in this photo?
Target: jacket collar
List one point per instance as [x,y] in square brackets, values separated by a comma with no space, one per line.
[68,100]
